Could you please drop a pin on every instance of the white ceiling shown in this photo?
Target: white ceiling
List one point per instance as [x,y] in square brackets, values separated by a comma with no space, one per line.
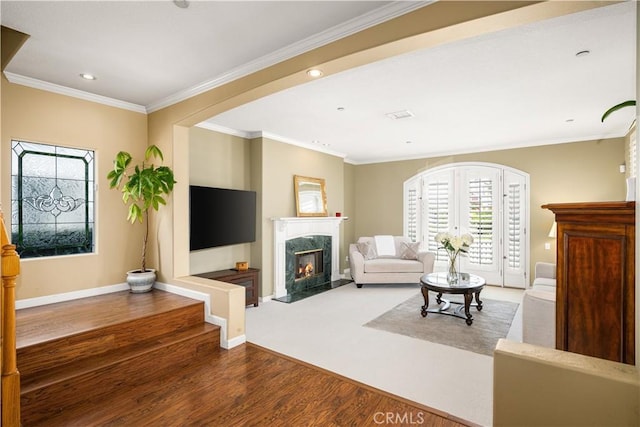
[513,88]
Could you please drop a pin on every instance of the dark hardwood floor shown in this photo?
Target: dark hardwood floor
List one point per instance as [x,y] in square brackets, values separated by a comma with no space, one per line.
[73,374]
[250,386]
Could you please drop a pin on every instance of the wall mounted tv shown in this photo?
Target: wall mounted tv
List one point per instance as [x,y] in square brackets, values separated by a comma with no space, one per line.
[221,217]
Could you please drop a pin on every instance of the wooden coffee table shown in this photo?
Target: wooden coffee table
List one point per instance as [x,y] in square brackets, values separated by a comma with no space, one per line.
[467,285]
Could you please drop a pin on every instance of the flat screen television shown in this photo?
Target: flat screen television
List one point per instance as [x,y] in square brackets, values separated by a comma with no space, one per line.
[221,217]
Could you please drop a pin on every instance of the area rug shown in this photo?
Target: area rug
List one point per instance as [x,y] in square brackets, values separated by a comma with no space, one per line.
[489,325]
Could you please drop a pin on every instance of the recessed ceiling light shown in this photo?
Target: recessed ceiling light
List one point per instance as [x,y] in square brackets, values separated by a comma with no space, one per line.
[340,108]
[182,4]
[408,142]
[314,72]
[88,76]
[569,120]
[583,53]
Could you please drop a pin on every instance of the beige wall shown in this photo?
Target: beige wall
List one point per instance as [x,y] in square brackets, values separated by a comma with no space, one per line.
[540,387]
[44,117]
[348,227]
[573,172]
[219,160]
[279,163]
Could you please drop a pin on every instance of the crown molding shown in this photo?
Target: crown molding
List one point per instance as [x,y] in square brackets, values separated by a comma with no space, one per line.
[223,129]
[308,146]
[260,134]
[375,17]
[382,14]
[75,93]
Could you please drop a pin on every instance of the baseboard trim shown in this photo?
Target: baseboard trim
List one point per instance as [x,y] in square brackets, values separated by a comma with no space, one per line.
[69,296]
[208,317]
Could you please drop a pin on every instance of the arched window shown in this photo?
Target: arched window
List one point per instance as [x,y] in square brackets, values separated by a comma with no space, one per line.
[488,201]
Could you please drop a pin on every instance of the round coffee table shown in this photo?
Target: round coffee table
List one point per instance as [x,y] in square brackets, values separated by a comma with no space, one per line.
[466,284]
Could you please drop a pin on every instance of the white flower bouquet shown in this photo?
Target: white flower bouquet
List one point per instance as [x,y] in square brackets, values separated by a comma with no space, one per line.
[454,245]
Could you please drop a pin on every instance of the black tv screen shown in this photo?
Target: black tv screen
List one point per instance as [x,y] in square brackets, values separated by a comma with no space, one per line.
[221,217]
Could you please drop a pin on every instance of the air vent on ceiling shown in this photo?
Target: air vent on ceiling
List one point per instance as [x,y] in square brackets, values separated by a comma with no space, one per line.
[404,114]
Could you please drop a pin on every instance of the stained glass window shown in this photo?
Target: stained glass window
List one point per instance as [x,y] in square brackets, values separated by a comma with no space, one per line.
[52,200]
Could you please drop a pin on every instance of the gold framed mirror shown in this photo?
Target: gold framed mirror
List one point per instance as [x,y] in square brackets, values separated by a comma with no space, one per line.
[311,196]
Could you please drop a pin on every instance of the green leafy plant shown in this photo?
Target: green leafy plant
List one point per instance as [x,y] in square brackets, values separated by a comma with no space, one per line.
[143,187]
[624,104]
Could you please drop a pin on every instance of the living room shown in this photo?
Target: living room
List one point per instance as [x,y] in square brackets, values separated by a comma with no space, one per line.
[358,191]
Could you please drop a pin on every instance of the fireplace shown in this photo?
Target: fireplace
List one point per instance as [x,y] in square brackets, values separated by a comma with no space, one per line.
[299,235]
[308,264]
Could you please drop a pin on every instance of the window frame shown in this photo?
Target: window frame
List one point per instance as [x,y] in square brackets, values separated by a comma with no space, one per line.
[54,201]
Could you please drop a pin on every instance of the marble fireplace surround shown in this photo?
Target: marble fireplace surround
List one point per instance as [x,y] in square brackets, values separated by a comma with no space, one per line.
[293,227]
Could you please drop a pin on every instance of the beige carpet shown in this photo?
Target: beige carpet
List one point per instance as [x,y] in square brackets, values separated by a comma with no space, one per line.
[489,325]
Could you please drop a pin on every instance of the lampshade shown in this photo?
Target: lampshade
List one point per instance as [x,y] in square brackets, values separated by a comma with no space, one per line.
[552,232]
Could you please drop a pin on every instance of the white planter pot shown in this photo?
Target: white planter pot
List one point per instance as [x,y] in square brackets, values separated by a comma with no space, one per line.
[141,282]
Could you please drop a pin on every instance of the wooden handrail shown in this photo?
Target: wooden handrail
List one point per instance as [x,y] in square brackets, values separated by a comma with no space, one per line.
[10,375]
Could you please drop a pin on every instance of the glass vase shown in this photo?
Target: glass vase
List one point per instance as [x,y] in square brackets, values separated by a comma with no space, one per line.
[452,274]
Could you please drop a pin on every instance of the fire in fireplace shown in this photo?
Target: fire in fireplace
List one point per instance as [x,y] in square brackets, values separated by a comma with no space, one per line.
[309,264]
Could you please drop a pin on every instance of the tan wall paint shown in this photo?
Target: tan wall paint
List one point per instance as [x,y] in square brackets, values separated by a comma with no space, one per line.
[540,387]
[44,117]
[348,234]
[267,166]
[257,182]
[280,162]
[573,172]
[219,160]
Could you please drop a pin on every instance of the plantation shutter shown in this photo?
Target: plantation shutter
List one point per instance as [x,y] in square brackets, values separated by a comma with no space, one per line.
[481,225]
[515,219]
[480,217]
[412,210]
[439,210]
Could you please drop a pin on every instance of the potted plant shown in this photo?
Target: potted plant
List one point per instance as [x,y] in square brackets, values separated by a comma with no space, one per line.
[616,107]
[143,188]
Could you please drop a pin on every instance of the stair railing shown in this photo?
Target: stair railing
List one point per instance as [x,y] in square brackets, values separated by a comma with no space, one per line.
[10,375]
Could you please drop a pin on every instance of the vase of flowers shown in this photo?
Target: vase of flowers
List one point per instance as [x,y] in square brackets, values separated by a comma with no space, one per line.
[453,245]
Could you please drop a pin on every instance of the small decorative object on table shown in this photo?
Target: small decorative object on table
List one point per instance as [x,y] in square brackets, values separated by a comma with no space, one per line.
[453,245]
[242,265]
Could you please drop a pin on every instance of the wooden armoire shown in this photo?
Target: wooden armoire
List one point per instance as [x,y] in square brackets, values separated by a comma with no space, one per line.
[595,299]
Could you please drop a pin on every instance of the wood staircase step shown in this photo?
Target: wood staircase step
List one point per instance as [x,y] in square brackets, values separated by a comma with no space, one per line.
[125,348]
[56,334]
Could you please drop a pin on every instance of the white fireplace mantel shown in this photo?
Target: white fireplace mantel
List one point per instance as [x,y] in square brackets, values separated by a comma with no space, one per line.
[293,227]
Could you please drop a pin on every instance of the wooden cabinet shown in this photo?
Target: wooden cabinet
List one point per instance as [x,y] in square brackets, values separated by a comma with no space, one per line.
[248,278]
[595,301]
